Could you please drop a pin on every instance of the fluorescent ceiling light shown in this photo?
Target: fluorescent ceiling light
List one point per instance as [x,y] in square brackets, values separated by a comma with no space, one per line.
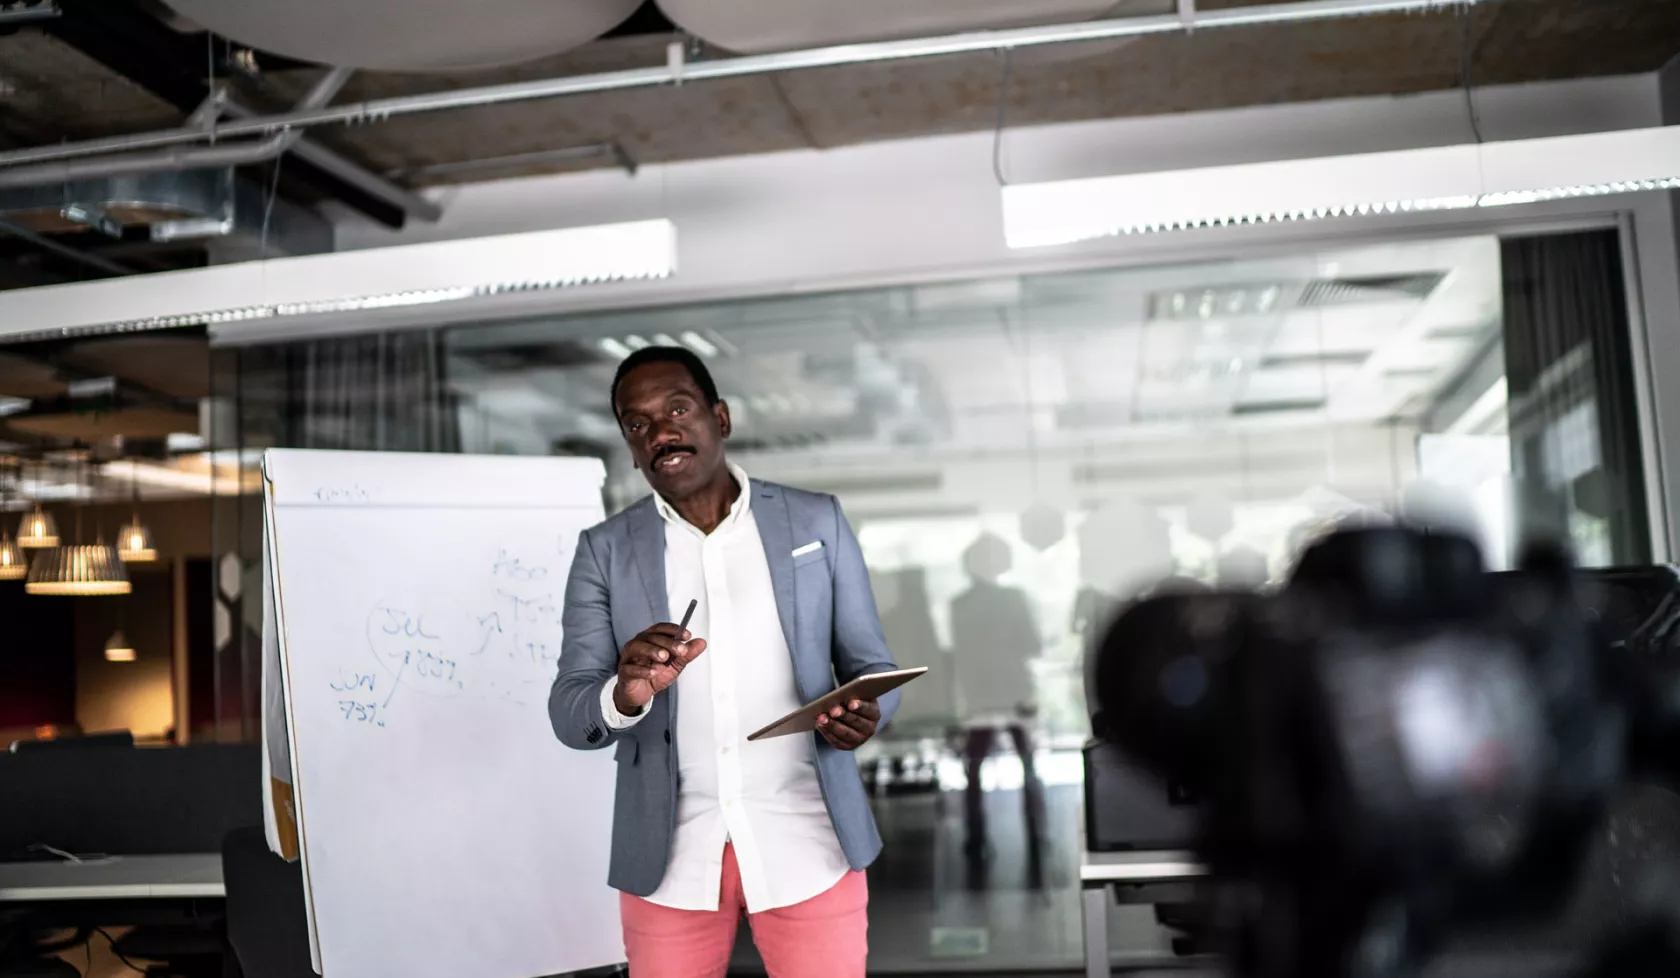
[1436,178]
[699,344]
[204,474]
[624,347]
[347,282]
[183,441]
[1188,305]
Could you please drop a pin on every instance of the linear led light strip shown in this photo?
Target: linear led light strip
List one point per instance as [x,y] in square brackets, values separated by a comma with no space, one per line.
[1444,178]
[363,303]
[622,348]
[347,282]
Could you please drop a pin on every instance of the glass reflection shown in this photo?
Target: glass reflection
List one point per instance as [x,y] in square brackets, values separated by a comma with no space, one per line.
[1020,456]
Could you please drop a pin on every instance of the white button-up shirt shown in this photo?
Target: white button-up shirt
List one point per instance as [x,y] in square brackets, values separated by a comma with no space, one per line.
[763,796]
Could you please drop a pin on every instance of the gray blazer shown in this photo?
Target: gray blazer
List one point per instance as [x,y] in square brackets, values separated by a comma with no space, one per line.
[617,588]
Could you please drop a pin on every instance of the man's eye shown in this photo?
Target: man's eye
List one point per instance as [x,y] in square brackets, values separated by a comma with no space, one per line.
[636,426]
[679,411]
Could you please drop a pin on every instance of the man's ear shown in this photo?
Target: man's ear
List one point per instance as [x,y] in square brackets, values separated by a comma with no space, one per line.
[721,410]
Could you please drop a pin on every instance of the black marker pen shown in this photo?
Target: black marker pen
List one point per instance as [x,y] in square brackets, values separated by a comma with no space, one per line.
[692,604]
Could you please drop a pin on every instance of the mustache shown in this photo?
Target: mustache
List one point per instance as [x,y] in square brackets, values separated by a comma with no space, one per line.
[666,450]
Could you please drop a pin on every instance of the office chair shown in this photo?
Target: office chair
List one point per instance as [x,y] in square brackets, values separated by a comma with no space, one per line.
[267,922]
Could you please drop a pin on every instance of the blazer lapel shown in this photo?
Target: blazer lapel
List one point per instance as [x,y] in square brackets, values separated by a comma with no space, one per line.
[775,530]
[647,541]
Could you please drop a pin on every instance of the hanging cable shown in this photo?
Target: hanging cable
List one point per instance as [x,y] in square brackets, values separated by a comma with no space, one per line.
[1468,19]
[1002,116]
[268,207]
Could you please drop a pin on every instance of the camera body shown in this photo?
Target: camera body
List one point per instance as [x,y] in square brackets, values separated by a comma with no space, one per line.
[1394,746]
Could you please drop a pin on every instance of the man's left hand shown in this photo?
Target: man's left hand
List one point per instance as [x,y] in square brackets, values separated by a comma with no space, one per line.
[850,724]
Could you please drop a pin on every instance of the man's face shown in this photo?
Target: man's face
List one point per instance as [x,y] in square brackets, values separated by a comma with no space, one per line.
[674,436]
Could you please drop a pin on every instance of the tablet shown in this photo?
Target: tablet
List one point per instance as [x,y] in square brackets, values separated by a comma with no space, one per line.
[870,687]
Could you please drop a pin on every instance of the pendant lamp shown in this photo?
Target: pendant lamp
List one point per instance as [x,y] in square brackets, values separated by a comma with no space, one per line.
[14,566]
[117,648]
[134,541]
[37,529]
[78,570]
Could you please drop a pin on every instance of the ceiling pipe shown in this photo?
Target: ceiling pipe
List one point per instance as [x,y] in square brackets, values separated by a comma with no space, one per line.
[180,157]
[376,110]
[350,172]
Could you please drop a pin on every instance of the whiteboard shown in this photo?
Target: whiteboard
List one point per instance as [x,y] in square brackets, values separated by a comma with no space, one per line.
[444,830]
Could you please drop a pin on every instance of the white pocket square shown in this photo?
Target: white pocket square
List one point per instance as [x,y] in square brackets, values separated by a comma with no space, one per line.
[809,548]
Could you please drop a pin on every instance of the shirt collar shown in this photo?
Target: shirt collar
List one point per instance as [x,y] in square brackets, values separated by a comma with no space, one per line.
[737,509]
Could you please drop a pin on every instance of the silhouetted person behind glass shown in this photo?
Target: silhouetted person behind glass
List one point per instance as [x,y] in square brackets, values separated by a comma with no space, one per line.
[1242,567]
[907,620]
[993,638]
[1123,549]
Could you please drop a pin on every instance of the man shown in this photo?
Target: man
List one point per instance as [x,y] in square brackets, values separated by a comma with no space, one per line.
[707,825]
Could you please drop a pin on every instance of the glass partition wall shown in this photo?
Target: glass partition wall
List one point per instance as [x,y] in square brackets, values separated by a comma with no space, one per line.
[1020,454]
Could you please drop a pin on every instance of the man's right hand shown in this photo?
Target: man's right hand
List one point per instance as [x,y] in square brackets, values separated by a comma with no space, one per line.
[651,662]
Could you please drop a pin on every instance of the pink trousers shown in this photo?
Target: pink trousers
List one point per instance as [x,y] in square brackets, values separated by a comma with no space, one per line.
[827,936]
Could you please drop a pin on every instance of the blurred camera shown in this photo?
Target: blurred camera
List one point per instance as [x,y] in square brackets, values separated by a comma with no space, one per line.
[1394,747]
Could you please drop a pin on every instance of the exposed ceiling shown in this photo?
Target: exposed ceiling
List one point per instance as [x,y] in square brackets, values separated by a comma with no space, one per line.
[1511,41]
[117,66]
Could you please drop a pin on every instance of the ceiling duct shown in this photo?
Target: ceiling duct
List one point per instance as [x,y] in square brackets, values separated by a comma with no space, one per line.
[192,204]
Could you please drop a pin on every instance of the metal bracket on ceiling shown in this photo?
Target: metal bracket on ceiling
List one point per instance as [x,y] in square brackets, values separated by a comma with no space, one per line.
[211,109]
[1187,14]
[622,157]
[675,58]
[93,218]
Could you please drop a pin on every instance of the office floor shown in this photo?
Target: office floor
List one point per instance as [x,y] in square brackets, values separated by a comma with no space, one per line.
[933,909]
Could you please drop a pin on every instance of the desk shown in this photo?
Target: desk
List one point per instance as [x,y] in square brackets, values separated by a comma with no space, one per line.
[1100,870]
[119,878]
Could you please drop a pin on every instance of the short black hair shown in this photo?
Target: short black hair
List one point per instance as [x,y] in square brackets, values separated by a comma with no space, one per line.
[666,354]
